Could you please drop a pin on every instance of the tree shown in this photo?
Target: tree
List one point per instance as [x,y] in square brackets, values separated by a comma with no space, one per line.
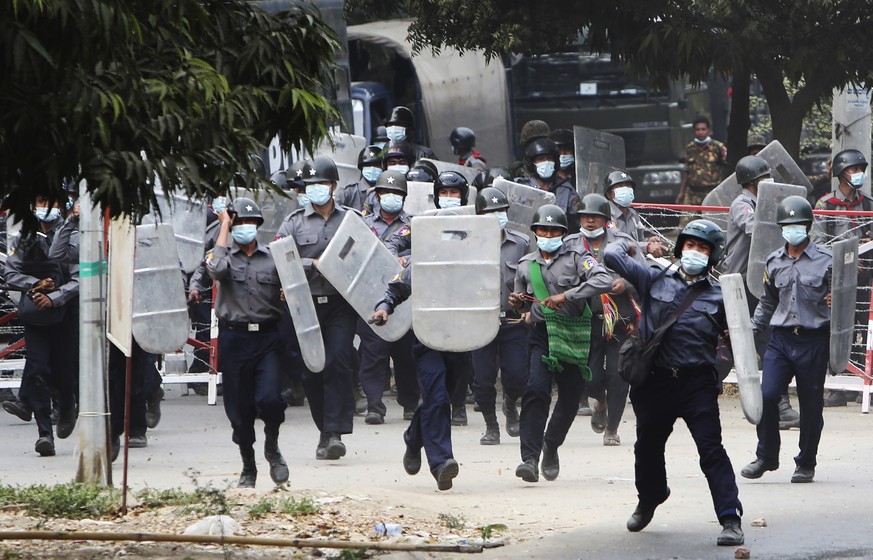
[121,93]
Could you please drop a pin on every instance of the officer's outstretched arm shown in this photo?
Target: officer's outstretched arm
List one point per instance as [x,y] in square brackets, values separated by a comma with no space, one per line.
[617,258]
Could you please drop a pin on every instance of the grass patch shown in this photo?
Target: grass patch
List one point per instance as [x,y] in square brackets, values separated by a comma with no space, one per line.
[285,506]
[68,501]
[456,522]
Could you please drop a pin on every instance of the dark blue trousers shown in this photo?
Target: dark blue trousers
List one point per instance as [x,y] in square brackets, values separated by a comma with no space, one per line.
[538,397]
[431,426]
[251,368]
[658,403]
[606,385]
[144,382]
[374,369]
[805,357]
[508,352]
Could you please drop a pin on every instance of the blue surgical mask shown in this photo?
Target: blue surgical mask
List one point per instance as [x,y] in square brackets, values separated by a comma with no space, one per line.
[857,179]
[302,200]
[592,234]
[545,169]
[244,233]
[318,194]
[449,202]
[624,196]
[399,168]
[567,161]
[549,244]
[502,219]
[371,173]
[70,203]
[47,214]
[391,202]
[794,234]
[219,203]
[694,262]
[396,133]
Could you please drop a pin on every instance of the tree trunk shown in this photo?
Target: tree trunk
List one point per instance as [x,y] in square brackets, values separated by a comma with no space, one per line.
[738,127]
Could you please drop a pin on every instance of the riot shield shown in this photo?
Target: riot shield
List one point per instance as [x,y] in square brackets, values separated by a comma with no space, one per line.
[159,320]
[419,198]
[597,153]
[766,235]
[274,208]
[597,172]
[344,152]
[844,293]
[299,301]
[188,220]
[743,346]
[467,210]
[455,281]
[359,266]
[524,201]
[468,173]
[782,167]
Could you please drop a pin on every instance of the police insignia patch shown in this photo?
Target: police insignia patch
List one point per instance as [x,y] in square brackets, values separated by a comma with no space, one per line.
[588,263]
[404,231]
[209,256]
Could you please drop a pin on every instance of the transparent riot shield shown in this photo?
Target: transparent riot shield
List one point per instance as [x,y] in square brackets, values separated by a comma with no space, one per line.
[299,301]
[455,281]
[419,198]
[844,294]
[467,210]
[344,152]
[783,168]
[524,201]
[188,220]
[359,266]
[597,153]
[468,173]
[159,319]
[743,346]
[274,206]
[766,235]
[597,172]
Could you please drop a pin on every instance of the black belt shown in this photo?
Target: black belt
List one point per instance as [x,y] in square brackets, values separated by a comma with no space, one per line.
[682,372]
[802,331]
[248,327]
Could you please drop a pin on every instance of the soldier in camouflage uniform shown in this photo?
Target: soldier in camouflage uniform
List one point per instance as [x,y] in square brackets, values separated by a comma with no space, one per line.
[704,160]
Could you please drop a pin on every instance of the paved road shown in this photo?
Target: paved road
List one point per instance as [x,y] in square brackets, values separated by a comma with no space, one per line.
[581,515]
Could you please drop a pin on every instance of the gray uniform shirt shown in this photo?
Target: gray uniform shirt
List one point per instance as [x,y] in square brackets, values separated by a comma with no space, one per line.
[27,254]
[512,248]
[741,222]
[826,228]
[629,224]
[361,196]
[65,245]
[383,230]
[248,286]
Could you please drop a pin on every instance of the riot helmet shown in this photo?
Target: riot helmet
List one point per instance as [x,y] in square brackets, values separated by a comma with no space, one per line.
[536,149]
[750,168]
[490,199]
[451,180]
[794,210]
[391,181]
[423,172]
[596,205]
[846,159]
[381,137]
[563,138]
[294,175]
[322,169]
[615,178]
[243,208]
[706,231]
[549,215]
[755,143]
[371,156]
[401,116]
[496,172]
[398,149]
[279,179]
[462,139]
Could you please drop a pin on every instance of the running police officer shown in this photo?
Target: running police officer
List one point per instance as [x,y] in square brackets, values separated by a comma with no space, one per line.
[683,382]
[618,188]
[360,195]
[558,278]
[508,351]
[250,349]
[795,303]
[542,160]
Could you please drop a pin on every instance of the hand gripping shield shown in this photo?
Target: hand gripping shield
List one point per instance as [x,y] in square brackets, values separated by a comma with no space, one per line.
[844,293]
[159,321]
[597,153]
[188,220]
[455,281]
[274,208]
[344,152]
[359,266]
[766,235]
[468,173]
[524,201]
[299,301]
[743,346]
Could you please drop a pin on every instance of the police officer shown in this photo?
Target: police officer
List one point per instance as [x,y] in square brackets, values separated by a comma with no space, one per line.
[250,349]
[558,278]
[795,303]
[360,195]
[463,141]
[423,172]
[619,188]
[400,126]
[330,392]
[376,352]
[542,160]
[508,351]
[566,143]
[683,382]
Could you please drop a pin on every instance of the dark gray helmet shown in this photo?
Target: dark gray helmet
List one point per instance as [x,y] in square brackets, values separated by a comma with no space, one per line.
[750,168]
[371,156]
[596,205]
[755,141]
[381,136]
[616,178]
[321,169]
[398,149]
[563,138]
[531,131]
[706,231]
[490,199]
[278,178]
[423,172]
[550,215]
[294,175]
[540,147]
[245,208]
[401,116]
[462,139]
[391,181]
[450,179]
[496,172]
[794,210]
[848,158]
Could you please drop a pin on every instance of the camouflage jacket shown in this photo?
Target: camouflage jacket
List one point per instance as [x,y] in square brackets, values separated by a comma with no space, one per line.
[703,164]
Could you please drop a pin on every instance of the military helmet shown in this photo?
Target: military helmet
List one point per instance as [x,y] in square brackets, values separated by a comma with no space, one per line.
[496,172]
[294,174]
[562,137]
[462,139]
[750,168]
[398,149]
[423,172]
[755,141]
[490,199]
[531,131]
[391,181]
[540,147]
[549,215]
[794,210]
[450,179]
[321,169]
[616,178]
[279,179]
[381,136]
[706,231]
[401,116]
[245,208]
[371,156]
[848,158]
[596,205]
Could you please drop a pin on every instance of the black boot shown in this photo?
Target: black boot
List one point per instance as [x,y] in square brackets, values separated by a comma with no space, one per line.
[278,467]
[459,415]
[249,474]
[788,417]
[551,466]
[510,410]
[492,429]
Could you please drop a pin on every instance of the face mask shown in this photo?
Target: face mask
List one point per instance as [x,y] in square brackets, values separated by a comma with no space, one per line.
[857,180]
[399,168]
[794,234]
[549,244]
[694,262]
[502,219]
[391,202]
[69,204]
[318,194]
[47,214]
[244,233]
[371,174]
[624,196]
[545,169]
[449,202]
[396,133]
[704,141]
[567,161]
[219,203]
[302,200]
[592,234]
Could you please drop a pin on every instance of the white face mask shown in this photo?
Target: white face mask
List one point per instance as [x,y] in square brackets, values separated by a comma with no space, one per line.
[449,202]
[396,133]
[592,234]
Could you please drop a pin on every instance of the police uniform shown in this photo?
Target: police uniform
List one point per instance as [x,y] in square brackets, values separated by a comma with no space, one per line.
[361,196]
[630,223]
[741,224]
[703,169]
[566,197]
